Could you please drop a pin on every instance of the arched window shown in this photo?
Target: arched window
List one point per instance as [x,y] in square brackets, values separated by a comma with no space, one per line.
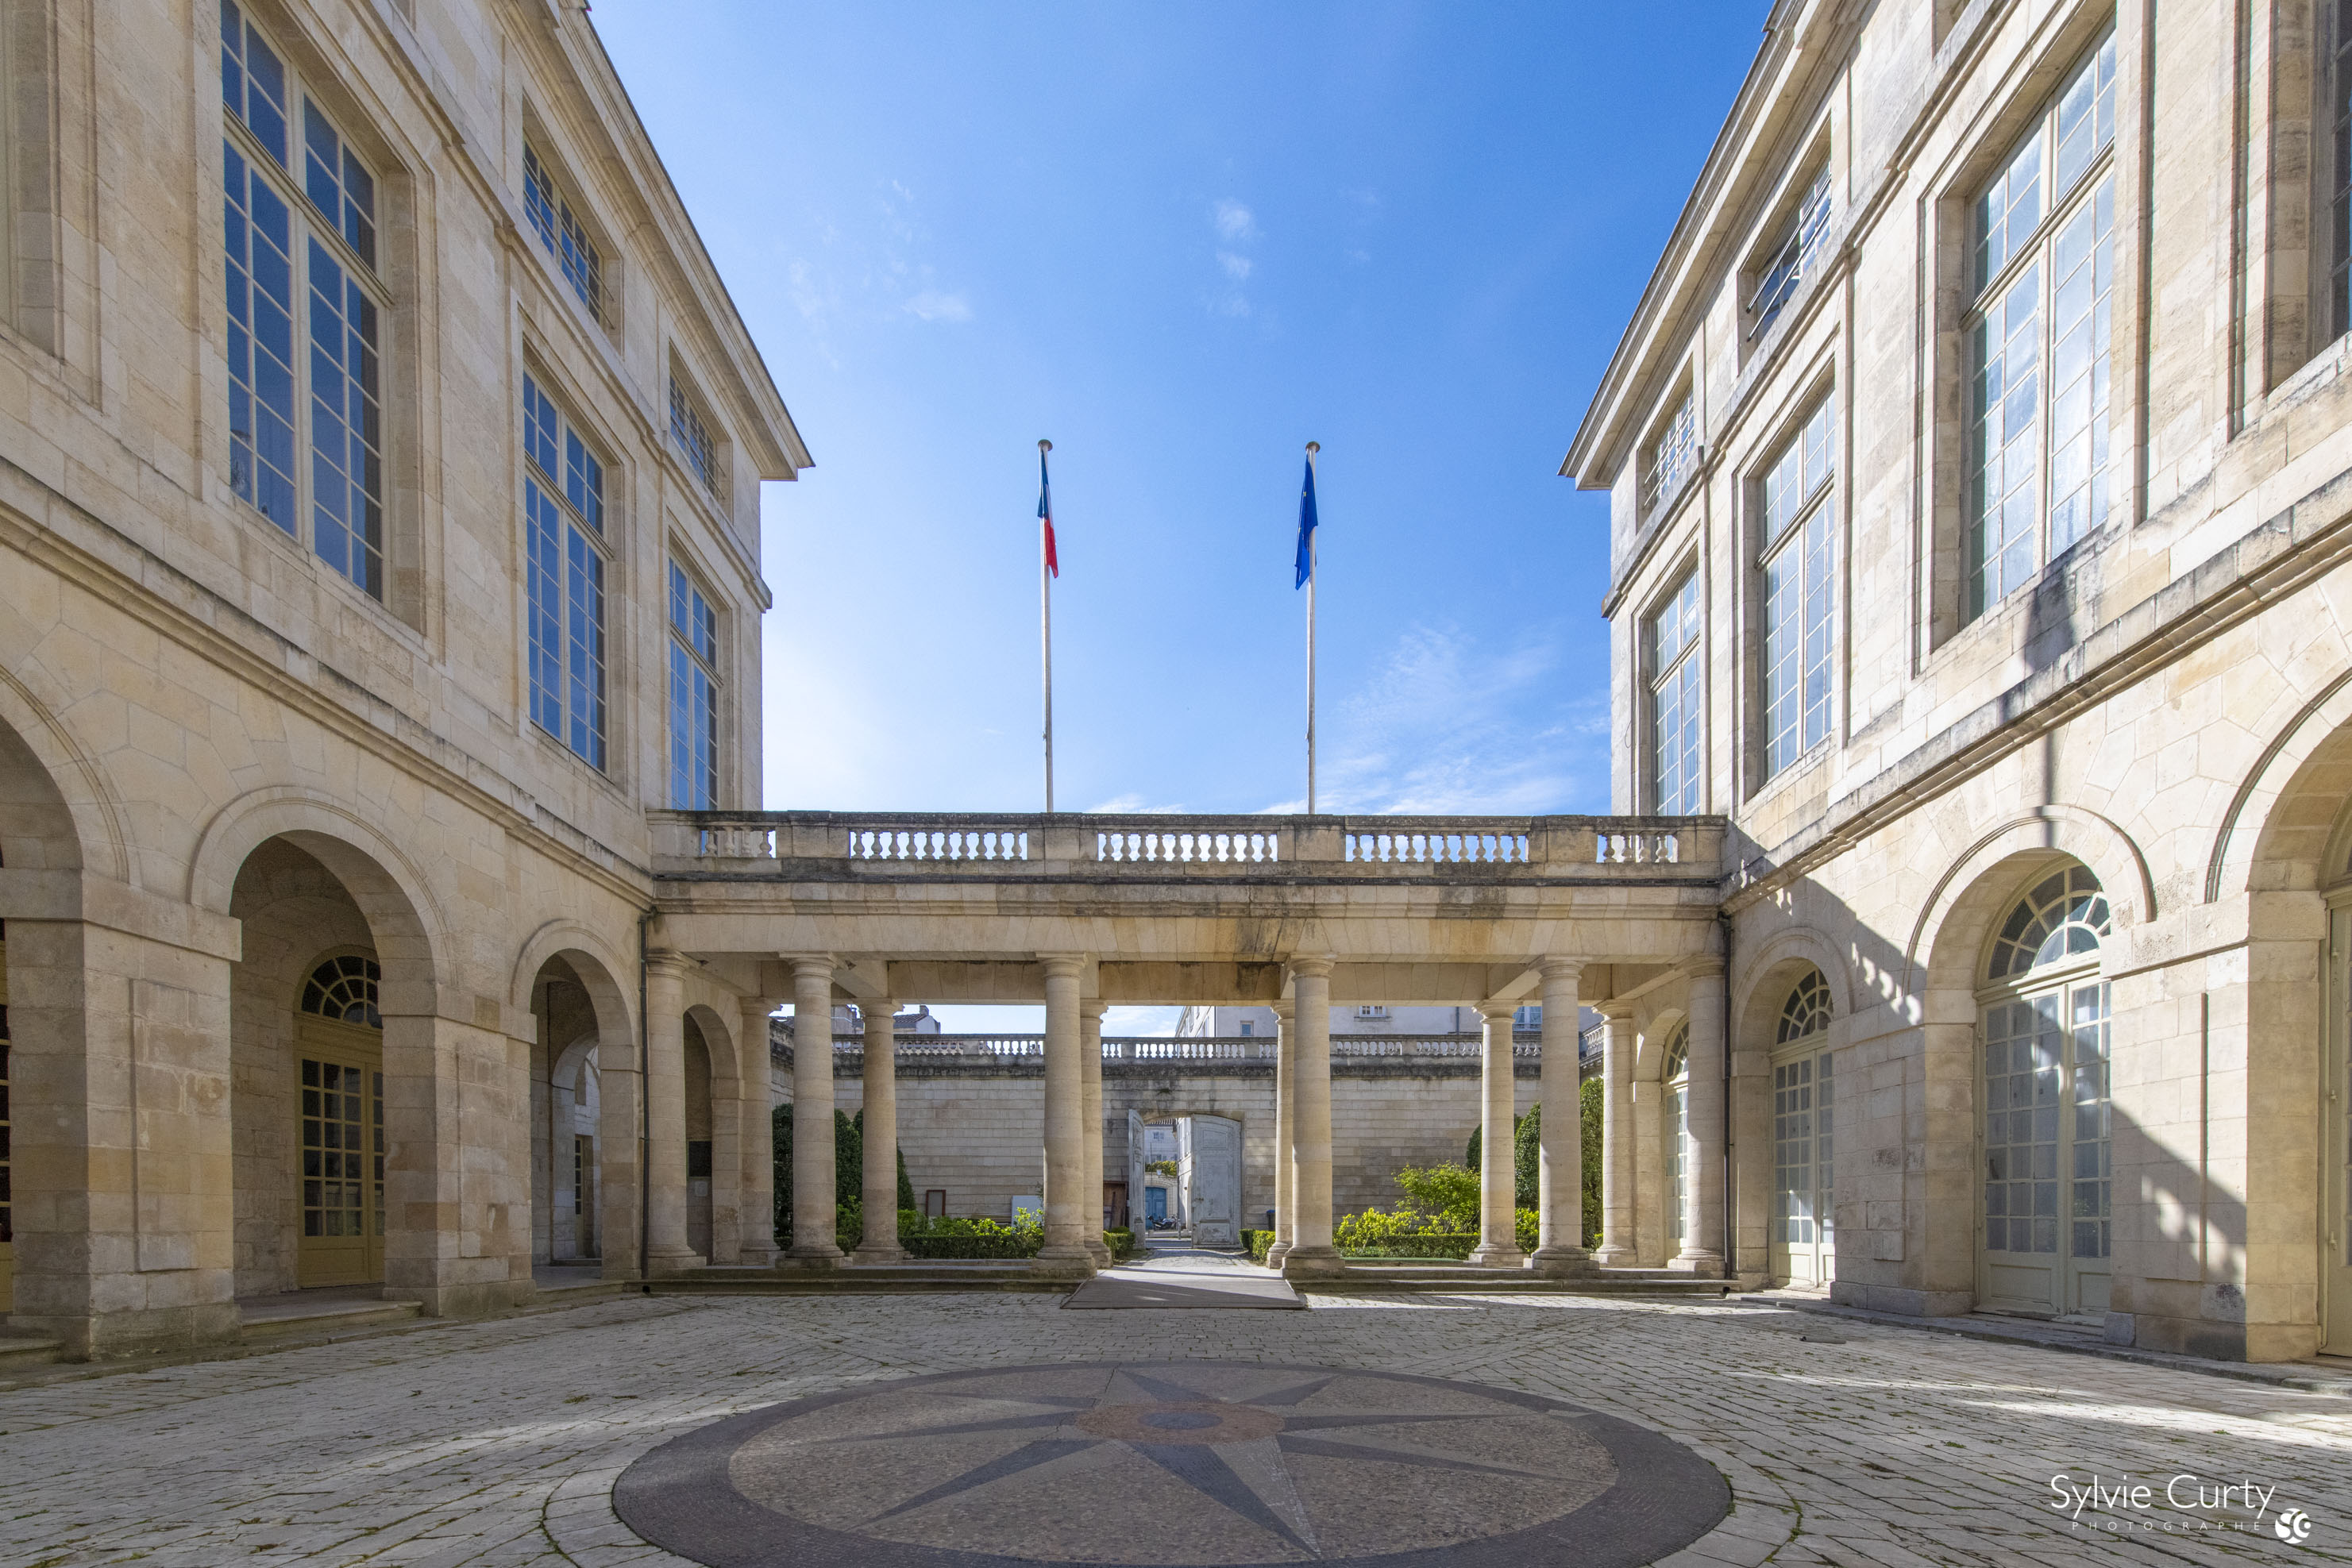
[344,989]
[1807,1009]
[1678,1064]
[2066,916]
[2047,1195]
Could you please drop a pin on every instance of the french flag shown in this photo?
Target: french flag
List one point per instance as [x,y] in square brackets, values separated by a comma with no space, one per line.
[1045,512]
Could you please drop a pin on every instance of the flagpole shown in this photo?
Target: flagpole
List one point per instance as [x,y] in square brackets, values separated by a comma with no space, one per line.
[1312,448]
[1046,619]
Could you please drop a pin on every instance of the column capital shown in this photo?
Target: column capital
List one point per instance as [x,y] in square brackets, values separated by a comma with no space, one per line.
[762,1007]
[1561,968]
[1286,1011]
[869,1005]
[809,966]
[1091,1009]
[1063,966]
[1706,967]
[667,963]
[1492,1010]
[1612,1009]
[1312,966]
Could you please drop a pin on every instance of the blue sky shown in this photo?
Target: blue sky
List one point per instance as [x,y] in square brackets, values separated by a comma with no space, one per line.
[1181,241]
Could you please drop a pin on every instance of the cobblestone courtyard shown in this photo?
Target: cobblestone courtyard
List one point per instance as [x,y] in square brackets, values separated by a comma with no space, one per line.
[498,1443]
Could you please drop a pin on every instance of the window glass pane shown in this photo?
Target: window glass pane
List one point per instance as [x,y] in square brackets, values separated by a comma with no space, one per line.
[1797,474]
[693,438]
[1675,701]
[2009,209]
[558,226]
[260,275]
[2087,114]
[1796,256]
[2083,270]
[337,183]
[544,534]
[1673,455]
[583,630]
[1818,545]
[253,81]
[346,425]
[2004,450]
[584,481]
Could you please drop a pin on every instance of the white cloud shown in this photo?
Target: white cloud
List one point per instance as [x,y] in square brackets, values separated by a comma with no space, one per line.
[1444,728]
[1131,1022]
[1233,221]
[1236,267]
[1132,805]
[932,305]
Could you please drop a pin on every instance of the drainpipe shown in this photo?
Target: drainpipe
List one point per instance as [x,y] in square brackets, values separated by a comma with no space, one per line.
[1730,1166]
[645,1113]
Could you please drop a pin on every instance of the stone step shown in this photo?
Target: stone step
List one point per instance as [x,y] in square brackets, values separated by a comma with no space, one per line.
[1459,1276]
[277,1320]
[19,1352]
[861,1278]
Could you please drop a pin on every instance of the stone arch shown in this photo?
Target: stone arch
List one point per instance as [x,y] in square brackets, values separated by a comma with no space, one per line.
[382,879]
[1766,977]
[570,1224]
[589,957]
[2290,797]
[1650,1041]
[1964,896]
[57,809]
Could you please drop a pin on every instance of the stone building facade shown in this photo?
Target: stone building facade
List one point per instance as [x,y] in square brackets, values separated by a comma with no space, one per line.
[1977,460]
[379,545]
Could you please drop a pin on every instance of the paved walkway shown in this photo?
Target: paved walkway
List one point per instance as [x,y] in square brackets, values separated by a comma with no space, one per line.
[498,1443]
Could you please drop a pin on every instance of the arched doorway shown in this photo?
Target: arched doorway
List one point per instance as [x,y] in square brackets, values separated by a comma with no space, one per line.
[2046,1128]
[1675,1135]
[339,1076]
[700,1142]
[1803,1125]
[8,1212]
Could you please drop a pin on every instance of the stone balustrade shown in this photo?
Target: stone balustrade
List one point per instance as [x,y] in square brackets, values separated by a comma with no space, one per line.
[827,845]
[1526,1045]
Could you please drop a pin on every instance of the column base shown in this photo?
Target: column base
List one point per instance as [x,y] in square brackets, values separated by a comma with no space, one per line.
[1561,1262]
[1709,1263]
[1068,1260]
[1611,1255]
[1276,1254]
[1314,1263]
[824,1255]
[1099,1251]
[760,1257]
[1486,1256]
[663,1265]
[886,1252]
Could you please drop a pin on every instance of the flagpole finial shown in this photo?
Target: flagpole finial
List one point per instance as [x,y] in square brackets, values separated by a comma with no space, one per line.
[1043,446]
[1314,446]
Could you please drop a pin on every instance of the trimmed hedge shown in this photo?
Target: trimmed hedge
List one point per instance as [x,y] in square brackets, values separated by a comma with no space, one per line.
[1258,1242]
[965,1238]
[1454,1244]
[1122,1244]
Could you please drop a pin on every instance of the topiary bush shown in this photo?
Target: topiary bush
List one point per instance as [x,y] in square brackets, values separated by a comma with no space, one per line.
[966,1238]
[1121,1243]
[1258,1242]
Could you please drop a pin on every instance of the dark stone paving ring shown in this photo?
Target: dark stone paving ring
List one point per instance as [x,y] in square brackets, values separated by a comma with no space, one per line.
[1172,1463]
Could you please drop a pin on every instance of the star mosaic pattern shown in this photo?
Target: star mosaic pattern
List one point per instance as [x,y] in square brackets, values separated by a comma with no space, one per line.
[1186,1462]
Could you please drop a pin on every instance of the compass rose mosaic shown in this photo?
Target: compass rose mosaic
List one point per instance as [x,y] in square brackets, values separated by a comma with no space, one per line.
[1170,1463]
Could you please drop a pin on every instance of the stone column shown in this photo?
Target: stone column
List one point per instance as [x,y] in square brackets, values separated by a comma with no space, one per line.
[755,1105]
[1090,1183]
[1065,1255]
[814,1215]
[1559,1248]
[1499,1243]
[879,1191]
[1703,1182]
[667,1252]
[1616,1137]
[1311,1253]
[1285,1063]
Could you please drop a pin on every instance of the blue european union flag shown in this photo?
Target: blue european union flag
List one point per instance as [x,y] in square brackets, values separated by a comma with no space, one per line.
[1307,527]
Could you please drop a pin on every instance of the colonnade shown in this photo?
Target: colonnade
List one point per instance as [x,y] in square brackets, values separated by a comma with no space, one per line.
[1625,1101]
[1073,1245]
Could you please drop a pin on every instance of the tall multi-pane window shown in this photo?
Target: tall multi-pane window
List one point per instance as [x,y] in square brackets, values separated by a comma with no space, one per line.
[557,222]
[2037,334]
[563,523]
[1796,256]
[692,433]
[693,694]
[305,312]
[1675,664]
[1673,452]
[1799,527]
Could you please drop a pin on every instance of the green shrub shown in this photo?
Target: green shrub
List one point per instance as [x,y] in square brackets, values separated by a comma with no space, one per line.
[1121,1243]
[1588,1103]
[1452,1244]
[952,1238]
[1258,1242]
[1527,1228]
[848,1170]
[1447,1194]
[1527,1156]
